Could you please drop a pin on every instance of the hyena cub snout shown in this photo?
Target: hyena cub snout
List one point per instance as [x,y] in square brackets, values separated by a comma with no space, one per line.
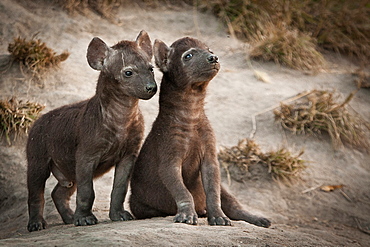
[151,88]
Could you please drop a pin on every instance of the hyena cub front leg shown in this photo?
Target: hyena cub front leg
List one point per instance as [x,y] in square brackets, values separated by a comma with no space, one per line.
[212,185]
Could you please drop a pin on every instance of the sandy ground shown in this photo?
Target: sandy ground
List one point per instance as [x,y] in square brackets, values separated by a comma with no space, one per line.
[301,214]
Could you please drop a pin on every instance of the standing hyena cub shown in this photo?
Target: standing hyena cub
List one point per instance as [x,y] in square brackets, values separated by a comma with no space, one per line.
[177,172]
[82,141]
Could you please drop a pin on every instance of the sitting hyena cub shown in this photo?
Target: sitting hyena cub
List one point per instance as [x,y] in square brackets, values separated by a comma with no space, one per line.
[82,141]
[177,171]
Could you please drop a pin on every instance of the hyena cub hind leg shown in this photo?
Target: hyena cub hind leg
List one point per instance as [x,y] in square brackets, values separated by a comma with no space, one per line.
[61,197]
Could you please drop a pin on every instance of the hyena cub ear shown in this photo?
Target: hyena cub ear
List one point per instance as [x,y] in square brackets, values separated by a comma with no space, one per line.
[96,53]
[144,43]
[161,54]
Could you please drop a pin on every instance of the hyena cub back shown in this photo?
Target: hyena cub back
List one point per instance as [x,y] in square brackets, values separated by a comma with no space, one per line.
[82,141]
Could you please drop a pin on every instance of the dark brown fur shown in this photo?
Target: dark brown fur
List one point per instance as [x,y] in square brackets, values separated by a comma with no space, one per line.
[82,141]
[177,172]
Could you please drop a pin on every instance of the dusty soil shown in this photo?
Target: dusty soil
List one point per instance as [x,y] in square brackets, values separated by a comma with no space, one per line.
[301,214]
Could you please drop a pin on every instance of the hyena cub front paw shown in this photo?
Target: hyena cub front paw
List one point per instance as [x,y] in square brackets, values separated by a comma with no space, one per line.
[219,221]
[85,220]
[36,225]
[120,215]
[190,219]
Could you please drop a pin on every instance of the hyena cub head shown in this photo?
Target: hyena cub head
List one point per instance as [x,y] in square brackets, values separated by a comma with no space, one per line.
[188,62]
[125,67]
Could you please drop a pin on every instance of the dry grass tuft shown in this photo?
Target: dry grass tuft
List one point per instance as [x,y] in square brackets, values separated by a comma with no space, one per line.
[281,164]
[319,112]
[246,153]
[17,116]
[290,48]
[35,55]
[245,19]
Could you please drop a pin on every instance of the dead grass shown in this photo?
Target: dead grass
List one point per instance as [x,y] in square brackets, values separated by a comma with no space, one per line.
[105,8]
[342,26]
[290,48]
[281,164]
[319,112]
[109,8]
[246,153]
[35,55]
[17,116]
[362,78]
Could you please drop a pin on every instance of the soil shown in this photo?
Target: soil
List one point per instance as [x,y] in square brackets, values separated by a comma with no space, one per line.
[301,214]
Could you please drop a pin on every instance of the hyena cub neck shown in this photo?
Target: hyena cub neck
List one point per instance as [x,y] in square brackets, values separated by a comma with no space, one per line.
[188,65]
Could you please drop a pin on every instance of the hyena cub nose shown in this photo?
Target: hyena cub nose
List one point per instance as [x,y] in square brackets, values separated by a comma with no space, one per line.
[212,58]
[151,88]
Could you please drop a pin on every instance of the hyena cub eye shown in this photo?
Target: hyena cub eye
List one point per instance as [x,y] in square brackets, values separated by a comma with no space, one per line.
[128,73]
[188,56]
